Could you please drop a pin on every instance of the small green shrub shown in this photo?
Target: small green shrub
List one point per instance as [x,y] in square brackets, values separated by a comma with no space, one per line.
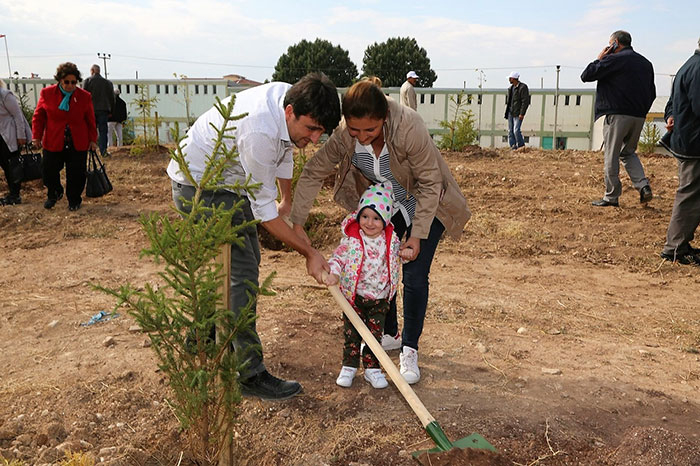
[649,139]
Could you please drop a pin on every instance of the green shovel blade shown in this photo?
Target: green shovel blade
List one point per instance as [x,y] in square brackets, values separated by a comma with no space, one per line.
[443,443]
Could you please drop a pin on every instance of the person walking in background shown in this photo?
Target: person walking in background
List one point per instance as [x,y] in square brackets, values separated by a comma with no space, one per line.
[624,94]
[277,117]
[116,121]
[683,122]
[408,93]
[64,125]
[517,101]
[14,133]
[366,264]
[102,92]
[380,140]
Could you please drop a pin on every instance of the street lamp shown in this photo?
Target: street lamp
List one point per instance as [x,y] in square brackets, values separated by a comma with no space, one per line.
[104,57]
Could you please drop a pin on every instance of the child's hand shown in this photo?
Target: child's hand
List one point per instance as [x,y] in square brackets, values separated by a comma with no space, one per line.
[406,254]
[331,279]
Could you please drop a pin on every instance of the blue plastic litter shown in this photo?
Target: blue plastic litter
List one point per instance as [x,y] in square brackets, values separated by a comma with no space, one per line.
[101,316]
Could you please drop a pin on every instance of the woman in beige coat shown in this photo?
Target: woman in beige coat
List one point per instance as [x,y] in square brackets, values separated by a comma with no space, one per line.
[380,141]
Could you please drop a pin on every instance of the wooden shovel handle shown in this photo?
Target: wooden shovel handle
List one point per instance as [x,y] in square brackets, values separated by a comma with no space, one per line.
[384,359]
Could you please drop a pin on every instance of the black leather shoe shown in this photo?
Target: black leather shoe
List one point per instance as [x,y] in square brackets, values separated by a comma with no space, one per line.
[10,200]
[645,194]
[50,202]
[268,387]
[73,207]
[687,258]
[604,203]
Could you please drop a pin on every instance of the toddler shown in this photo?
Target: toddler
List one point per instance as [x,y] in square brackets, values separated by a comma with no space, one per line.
[366,267]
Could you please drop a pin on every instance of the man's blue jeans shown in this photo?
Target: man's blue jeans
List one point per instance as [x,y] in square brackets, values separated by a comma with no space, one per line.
[515,137]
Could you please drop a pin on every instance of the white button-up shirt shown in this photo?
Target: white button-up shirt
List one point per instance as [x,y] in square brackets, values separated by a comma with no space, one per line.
[262,138]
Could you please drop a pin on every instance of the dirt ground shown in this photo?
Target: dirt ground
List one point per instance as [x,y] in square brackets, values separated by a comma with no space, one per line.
[554,330]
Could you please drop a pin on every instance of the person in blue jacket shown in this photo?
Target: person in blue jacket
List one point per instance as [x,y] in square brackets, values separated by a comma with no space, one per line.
[624,94]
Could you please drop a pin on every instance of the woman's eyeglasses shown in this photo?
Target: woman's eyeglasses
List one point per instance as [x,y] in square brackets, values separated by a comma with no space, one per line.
[67,82]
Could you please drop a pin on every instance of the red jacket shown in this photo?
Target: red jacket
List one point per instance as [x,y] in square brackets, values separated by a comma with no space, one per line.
[49,122]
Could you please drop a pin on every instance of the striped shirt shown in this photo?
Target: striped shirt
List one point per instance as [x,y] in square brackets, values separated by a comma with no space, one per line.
[378,170]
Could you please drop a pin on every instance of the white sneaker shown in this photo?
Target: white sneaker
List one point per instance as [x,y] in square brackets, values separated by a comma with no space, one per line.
[346,376]
[376,378]
[391,343]
[408,365]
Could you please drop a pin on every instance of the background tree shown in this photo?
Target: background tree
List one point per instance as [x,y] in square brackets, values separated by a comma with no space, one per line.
[391,60]
[319,55]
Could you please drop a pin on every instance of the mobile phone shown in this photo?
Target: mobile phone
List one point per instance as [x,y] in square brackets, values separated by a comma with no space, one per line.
[612,47]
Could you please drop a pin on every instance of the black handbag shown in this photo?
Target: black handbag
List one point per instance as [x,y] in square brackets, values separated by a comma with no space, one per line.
[31,164]
[98,183]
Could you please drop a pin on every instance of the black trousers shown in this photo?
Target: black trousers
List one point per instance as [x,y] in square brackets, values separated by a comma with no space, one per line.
[10,163]
[75,162]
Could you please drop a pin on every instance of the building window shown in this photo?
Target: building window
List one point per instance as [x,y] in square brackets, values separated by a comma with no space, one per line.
[167,91]
[469,98]
[136,88]
[24,88]
[578,100]
[213,88]
[459,99]
[205,88]
[432,98]
[422,98]
[196,88]
[174,88]
[479,99]
[119,86]
[566,99]
[128,88]
[157,88]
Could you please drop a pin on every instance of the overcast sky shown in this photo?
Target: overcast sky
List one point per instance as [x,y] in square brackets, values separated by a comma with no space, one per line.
[212,38]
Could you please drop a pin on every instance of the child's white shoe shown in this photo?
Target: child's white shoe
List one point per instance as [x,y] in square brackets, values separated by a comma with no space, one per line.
[346,376]
[376,378]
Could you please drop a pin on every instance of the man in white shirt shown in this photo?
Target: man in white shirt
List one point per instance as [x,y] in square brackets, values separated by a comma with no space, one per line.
[278,116]
[408,93]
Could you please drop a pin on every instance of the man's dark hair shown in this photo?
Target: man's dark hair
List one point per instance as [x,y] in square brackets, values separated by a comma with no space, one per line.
[64,69]
[365,99]
[316,96]
[622,37]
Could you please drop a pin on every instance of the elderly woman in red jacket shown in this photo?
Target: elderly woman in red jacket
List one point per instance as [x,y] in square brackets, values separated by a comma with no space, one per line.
[64,125]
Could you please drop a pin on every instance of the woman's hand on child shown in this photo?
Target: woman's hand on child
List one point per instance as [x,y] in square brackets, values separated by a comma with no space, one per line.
[406,254]
[410,249]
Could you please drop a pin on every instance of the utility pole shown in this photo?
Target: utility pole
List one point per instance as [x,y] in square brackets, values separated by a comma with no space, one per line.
[482,79]
[555,146]
[104,57]
[9,68]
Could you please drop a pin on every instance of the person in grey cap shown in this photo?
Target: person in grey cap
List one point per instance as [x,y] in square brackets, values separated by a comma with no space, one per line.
[683,123]
[624,94]
[517,101]
[408,94]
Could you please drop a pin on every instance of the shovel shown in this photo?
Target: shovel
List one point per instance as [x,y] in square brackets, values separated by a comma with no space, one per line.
[429,423]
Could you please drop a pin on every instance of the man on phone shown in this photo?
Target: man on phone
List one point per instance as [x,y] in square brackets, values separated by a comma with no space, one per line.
[624,95]
[683,124]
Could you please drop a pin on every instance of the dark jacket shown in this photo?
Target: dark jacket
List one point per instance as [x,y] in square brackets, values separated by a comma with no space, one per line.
[517,100]
[625,84]
[119,110]
[102,91]
[684,107]
[49,123]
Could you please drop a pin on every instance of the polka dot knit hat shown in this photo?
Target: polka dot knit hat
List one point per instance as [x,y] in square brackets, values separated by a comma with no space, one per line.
[380,198]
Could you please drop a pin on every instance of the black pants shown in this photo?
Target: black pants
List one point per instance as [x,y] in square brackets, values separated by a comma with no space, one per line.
[10,163]
[75,162]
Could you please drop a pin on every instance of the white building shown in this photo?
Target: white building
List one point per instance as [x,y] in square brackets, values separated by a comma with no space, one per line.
[573,117]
